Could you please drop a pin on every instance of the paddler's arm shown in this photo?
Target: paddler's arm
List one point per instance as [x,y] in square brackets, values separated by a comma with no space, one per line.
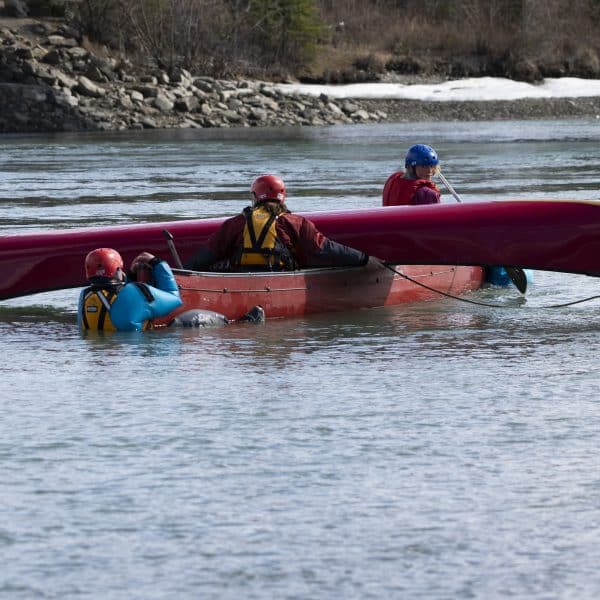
[316,250]
[337,255]
[425,195]
[163,277]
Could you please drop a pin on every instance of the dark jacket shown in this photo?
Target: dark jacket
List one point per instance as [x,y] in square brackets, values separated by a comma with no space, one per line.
[308,245]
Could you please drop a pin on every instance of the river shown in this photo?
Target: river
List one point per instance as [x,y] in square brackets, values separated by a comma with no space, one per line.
[440,451]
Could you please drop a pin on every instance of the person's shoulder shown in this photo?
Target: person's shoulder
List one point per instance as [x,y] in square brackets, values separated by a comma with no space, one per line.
[291,217]
[396,175]
[239,216]
[234,221]
[296,221]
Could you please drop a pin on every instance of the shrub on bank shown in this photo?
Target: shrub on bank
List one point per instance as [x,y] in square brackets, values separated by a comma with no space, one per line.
[343,40]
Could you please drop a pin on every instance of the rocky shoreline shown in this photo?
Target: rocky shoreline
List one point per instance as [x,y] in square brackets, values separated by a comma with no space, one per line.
[52,79]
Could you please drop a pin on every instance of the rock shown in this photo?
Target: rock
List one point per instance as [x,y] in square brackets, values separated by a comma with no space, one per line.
[43,72]
[349,107]
[149,79]
[59,40]
[188,122]
[95,74]
[189,104]
[127,102]
[149,123]
[334,109]
[88,88]
[258,114]
[182,77]
[204,84]
[69,32]
[136,96]
[54,57]
[65,81]
[162,78]
[163,103]
[78,53]
[360,115]
[232,116]
[147,91]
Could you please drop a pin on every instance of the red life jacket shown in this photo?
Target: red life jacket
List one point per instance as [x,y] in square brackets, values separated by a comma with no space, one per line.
[398,190]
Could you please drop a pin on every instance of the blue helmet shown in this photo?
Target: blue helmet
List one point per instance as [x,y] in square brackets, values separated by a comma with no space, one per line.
[421,155]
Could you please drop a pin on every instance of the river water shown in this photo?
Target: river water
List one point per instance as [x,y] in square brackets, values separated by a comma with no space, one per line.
[443,450]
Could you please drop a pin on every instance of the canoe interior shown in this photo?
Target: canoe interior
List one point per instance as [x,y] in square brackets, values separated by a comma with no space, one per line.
[311,291]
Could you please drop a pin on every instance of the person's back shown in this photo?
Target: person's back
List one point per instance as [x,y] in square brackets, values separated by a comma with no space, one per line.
[414,186]
[112,303]
[262,246]
[267,236]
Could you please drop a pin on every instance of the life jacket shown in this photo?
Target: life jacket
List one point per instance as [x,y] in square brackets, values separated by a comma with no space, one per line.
[399,191]
[262,248]
[95,311]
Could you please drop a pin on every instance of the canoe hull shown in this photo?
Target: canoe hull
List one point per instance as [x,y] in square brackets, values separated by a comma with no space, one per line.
[312,291]
[558,235]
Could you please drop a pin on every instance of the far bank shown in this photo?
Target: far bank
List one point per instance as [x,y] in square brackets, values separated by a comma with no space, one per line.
[52,79]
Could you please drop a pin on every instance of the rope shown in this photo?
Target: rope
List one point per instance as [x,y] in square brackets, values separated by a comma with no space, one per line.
[487,304]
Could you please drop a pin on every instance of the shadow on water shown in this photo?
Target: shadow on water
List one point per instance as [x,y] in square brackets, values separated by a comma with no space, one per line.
[35,313]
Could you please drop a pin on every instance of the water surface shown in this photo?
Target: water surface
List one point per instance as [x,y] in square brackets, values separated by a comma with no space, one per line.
[442,450]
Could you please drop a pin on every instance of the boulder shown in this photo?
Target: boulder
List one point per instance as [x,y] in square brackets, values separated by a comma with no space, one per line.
[89,88]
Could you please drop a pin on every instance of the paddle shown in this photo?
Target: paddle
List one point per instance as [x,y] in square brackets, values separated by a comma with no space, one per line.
[516,274]
[172,248]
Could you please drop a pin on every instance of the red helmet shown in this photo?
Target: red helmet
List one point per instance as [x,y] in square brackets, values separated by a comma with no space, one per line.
[103,262]
[268,187]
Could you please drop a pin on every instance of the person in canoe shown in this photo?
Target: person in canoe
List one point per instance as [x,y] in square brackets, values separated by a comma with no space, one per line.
[413,186]
[115,301]
[268,237]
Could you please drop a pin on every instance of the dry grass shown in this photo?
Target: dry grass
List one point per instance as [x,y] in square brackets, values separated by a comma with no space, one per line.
[363,38]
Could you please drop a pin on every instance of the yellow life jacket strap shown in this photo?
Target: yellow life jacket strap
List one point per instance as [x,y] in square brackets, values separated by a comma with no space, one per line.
[258,242]
[265,250]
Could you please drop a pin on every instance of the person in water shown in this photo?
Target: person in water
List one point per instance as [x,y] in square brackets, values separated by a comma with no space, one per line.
[413,186]
[268,237]
[114,301]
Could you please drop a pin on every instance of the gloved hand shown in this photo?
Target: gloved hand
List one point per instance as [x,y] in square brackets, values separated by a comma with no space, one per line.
[374,262]
[142,265]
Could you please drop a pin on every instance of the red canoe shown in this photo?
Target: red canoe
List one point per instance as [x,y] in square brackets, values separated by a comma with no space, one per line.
[297,293]
[558,235]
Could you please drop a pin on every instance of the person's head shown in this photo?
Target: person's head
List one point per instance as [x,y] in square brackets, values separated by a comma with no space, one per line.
[421,161]
[268,188]
[104,264]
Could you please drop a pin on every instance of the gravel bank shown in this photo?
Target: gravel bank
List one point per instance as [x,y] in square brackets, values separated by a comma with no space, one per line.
[489,110]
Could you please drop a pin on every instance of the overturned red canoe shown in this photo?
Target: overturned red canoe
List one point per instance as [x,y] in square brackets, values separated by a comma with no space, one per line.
[557,235]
